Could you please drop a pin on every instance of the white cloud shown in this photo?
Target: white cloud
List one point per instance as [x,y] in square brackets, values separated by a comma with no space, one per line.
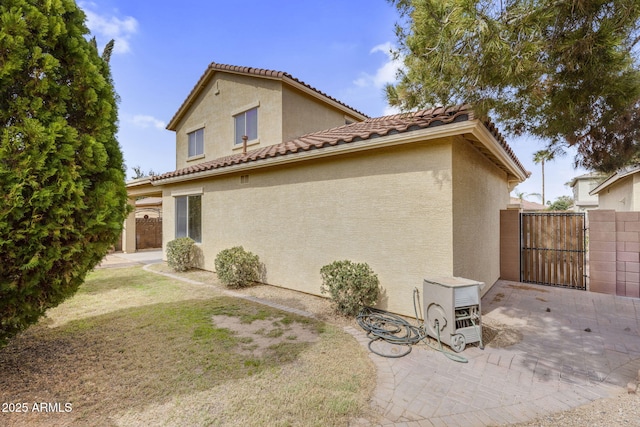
[145,121]
[385,74]
[390,110]
[106,27]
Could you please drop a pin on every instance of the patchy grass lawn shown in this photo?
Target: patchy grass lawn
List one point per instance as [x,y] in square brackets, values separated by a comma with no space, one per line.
[135,348]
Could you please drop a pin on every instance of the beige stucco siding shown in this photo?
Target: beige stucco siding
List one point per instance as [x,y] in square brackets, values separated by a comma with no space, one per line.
[228,94]
[581,191]
[390,208]
[479,192]
[618,196]
[224,96]
[304,114]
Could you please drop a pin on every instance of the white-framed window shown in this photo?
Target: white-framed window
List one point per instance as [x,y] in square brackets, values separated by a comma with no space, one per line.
[246,123]
[189,217]
[196,143]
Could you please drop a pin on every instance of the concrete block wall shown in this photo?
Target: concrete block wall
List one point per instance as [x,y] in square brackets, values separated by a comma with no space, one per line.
[614,252]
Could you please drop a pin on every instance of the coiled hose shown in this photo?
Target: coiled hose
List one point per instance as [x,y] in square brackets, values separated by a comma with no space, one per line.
[382,325]
[393,329]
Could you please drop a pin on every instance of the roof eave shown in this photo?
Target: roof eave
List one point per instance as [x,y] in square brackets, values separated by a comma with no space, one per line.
[142,187]
[188,102]
[212,70]
[617,176]
[475,127]
[483,135]
[326,100]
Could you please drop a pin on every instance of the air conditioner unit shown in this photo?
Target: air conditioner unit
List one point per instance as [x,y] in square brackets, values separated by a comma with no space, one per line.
[452,311]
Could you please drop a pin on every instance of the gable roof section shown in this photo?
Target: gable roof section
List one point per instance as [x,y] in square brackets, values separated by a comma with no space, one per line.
[261,73]
[617,176]
[359,133]
[584,177]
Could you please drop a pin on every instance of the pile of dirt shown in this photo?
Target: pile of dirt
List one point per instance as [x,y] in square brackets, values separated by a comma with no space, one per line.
[498,335]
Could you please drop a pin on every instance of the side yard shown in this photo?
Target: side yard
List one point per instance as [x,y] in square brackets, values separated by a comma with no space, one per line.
[136,348]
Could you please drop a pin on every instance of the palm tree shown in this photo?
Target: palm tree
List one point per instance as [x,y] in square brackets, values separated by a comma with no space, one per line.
[522,195]
[542,156]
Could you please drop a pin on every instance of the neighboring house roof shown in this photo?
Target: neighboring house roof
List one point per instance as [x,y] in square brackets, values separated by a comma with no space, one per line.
[590,175]
[527,205]
[622,173]
[360,132]
[148,201]
[256,72]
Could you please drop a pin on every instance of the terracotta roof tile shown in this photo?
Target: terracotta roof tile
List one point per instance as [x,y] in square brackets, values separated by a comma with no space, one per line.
[346,134]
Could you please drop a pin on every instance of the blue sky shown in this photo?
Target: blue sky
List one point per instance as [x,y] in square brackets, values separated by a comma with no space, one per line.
[339,47]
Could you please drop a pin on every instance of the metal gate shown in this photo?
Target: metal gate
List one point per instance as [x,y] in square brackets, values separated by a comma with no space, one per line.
[553,249]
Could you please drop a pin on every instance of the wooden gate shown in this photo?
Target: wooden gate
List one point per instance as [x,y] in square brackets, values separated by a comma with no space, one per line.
[148,233]
[553,249]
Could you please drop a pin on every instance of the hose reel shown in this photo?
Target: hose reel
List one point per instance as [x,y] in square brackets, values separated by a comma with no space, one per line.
[452,311]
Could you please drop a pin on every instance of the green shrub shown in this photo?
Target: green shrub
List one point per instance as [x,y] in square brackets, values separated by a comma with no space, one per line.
[237,268]
[350,285]
[180,253]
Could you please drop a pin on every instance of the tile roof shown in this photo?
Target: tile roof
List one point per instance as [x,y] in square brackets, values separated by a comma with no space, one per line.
[251,71]
[528,205]
[351,133]
[586,176]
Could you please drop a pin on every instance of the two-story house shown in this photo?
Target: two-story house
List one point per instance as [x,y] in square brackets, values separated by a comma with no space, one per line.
[270,163]
[581,187]
[269,107]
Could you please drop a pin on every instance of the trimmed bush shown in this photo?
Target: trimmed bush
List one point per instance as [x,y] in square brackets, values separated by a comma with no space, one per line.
[180,253]
[237,268]
[351,286]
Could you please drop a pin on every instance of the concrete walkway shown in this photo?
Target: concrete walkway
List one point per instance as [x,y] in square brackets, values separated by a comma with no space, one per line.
[120,259]
[576,347]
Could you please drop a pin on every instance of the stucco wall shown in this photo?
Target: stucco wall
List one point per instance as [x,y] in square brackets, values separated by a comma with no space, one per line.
[303,114]
[215,112]
[618,196]
[584,187]
[283,114]
[635,205]
[390,208]
[480,191]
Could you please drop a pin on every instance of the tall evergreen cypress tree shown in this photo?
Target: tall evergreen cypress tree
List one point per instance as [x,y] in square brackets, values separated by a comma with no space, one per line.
[61,168]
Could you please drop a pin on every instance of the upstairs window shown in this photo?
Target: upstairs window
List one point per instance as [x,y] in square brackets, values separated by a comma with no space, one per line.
[246,123]
[196,143]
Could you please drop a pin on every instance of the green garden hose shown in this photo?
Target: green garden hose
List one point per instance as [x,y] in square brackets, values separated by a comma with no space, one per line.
[393,329]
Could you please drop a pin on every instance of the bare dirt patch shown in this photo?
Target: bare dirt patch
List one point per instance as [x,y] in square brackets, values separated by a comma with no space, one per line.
[498,335]
[259,336]
[527,288]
